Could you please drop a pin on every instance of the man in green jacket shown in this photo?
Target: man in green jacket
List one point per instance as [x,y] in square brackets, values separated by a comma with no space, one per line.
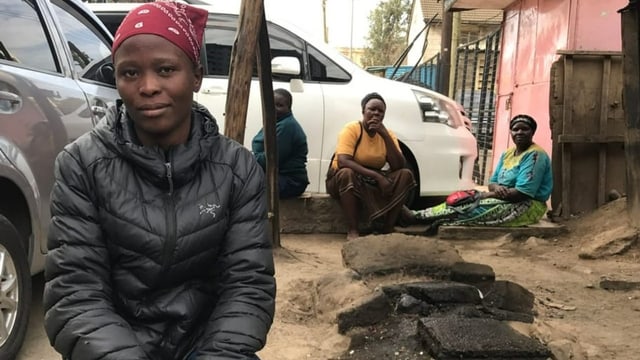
[292,148]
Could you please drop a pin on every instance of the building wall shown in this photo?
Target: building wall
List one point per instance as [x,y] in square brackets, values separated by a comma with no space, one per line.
[597,25]
[533,31]
[355,54]
[473,25]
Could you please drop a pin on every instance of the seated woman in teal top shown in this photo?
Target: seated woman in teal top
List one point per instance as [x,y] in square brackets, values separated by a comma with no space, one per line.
[518,189]
[292,148]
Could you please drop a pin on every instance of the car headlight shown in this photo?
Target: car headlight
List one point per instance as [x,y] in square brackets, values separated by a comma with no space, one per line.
[435,110]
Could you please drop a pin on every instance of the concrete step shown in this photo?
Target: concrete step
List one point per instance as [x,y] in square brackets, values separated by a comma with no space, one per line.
[319,213]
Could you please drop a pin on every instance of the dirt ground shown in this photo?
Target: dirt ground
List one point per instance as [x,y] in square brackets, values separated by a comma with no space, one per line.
[576,318]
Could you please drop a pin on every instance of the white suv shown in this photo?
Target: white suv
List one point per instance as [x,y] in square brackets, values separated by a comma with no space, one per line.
[326,89]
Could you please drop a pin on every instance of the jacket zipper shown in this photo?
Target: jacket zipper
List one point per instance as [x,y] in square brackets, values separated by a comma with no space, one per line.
[170,217]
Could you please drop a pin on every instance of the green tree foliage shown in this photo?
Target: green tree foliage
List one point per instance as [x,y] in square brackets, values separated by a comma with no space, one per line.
[388,25]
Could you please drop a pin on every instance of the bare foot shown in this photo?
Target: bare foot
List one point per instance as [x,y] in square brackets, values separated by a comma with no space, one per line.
[351,235]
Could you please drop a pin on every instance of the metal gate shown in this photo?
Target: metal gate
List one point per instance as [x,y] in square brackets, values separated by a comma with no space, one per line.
[474,85]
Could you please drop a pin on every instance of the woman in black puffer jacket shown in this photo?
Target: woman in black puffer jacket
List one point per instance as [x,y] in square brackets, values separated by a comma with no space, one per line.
[158,244]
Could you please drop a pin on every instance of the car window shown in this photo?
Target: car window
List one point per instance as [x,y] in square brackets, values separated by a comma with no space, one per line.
[283,43]
[111,20]
[321,68]
[89,48]
[23,39]
[220,35]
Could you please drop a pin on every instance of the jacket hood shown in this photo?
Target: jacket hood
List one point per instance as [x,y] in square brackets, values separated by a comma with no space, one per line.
[116,132]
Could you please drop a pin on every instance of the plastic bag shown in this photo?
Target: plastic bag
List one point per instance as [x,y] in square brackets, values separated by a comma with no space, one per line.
[462,197]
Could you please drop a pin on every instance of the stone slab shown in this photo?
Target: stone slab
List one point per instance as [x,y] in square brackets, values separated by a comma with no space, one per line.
[619,285]
[438,292]
[399,253]
[544,229]
[479,275]
[448,338]
[368,311]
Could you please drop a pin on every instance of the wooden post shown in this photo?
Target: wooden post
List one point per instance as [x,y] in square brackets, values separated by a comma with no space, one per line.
[445,51]
[455,40]
[324,21]
[631,70]
[252,34]
[269,129]
[602,127]
[567,120]
[243,56]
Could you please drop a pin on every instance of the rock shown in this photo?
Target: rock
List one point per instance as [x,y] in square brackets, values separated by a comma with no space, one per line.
[533,242]
[337,291]
[611,242]
[507,295]
[613,195]
[393,253]
[367,311]
[564,349]
[444,292]
[478,275]
[407,304]
[619,285]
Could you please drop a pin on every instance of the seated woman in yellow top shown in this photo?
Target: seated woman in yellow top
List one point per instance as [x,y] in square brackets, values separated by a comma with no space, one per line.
[356,177]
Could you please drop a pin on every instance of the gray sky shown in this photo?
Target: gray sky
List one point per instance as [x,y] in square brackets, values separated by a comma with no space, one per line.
[307,14]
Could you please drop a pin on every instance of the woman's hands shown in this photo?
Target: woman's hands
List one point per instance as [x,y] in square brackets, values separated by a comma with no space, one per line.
[379,127]
[394,156]
[501,192]
[505,193]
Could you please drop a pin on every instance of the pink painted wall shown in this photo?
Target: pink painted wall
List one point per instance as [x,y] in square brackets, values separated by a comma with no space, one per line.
[533,31]
[597,25]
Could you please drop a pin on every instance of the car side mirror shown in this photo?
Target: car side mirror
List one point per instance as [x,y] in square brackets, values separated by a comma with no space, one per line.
[285,65]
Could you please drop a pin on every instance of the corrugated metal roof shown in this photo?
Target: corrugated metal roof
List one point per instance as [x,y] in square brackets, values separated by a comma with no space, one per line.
[483,16]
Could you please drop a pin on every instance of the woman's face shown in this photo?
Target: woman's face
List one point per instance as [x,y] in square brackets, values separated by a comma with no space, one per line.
[373,112]
[156,81]
[282,106]
[522,135]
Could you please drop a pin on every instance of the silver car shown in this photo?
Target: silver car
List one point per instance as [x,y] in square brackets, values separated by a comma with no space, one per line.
[56,81]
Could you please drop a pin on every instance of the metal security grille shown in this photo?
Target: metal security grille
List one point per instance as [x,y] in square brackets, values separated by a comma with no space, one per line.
[425,74]
[474,87]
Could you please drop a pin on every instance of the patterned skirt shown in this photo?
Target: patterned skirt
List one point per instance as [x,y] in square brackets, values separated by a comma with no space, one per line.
[485,212]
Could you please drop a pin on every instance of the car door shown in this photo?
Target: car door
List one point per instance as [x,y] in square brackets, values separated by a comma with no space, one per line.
[307,105]
[341,105]
[37,95]
[89,46]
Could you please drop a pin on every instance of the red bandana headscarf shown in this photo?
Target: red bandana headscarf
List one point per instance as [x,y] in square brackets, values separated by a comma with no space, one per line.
[179,23]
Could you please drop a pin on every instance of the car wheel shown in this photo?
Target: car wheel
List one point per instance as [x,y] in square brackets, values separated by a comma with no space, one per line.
[15,291]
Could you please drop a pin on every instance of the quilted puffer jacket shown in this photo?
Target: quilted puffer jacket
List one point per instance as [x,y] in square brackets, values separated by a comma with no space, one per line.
[158,254]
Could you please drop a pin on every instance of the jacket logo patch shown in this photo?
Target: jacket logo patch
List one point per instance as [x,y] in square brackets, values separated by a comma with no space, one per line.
[209,209]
